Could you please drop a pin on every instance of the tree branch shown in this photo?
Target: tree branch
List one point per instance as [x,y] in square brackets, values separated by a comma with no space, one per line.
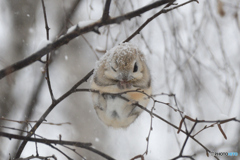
[48,78]
[59,142]
[154,16]
[185,142]
[151,113]
[45,19]
[105,15]
[45,141]
[50,108]
[38,157]
[34,98]
[75,33]
[69,15]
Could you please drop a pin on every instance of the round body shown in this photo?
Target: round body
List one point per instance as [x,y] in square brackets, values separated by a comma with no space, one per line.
[121,69]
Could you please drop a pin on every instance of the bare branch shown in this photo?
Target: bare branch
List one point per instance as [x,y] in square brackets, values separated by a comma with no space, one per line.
[91,47]
[156,15]
[60,142]
[182,121]
[185,142]
[50,108]
[104,21]
[48,79]
[205,127]
[146,22]
[26,122]
[69,14]
[145,109]
[45,19]
[45,141]
[34,98]
[75,33]
[73,150]
[150,129]
[151,113]
[164,120]
[138,156]
[59,151]
[105,15]
[38,157]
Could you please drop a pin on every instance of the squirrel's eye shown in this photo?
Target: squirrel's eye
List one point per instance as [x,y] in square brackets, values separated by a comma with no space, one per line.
[135,68]
[113,69]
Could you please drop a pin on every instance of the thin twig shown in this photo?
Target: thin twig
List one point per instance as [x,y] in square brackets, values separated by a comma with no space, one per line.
[150,129]
[64,154]
[156,15]
[50,108]
[27,122]
[181,113]
[188,134]
[35,142]
[45,19]
[75,33]
[153,114]
[45,141]
[169,123]
[33,100]
[91,47]
[138,156]
[48,79]
[69,15]
[146,22]
[125,92]
[207,121]
[37,157]
[105,14]
[145,109]
[205,127]
[74,150]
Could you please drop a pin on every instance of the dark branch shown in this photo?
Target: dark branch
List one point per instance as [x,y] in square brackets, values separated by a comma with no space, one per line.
[59,142]
[59,151]
[150,129]
[137,12]
[156,15]
[105,15]
[48,79]
[164,120]
[206,121]
[50,108]
[45,19]
[69,15]
[75,33]
[146,22]
[35,94]
[37,157]
[45,141]
[138,156]
[188,134]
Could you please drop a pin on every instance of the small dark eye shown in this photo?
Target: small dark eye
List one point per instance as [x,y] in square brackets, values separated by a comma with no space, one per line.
[113,69]
[135,69]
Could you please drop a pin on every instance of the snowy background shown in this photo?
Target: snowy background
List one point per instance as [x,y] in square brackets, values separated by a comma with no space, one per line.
[193,52]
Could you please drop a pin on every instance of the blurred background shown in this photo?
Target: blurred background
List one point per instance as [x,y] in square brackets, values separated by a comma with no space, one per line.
[192,51]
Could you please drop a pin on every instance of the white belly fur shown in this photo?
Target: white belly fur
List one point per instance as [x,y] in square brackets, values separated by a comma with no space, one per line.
[118,105]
